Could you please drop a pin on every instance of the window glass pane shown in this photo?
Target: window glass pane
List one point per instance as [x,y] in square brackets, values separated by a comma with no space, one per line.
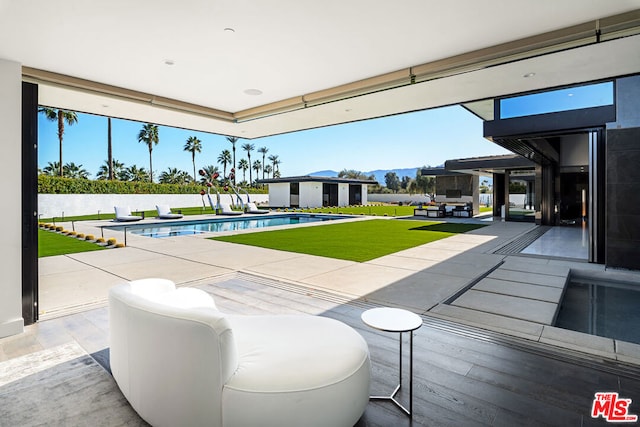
[574,98]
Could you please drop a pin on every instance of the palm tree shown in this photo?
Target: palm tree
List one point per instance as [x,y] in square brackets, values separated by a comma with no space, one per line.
[209,171]
[263,151]
[134,173]
[274,161]
[243,165]
[117,168]
[256,167]
[174,176]
[225,159]
[61,116]
[268,169]
[248,147]
[71,170]
[52,169]
[149,135]
[233,140]
[193,145]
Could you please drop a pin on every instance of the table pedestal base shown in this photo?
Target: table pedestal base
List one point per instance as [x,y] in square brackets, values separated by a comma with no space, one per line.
[392,397]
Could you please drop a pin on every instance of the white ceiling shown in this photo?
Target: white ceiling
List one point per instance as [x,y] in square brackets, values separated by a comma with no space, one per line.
[289,48]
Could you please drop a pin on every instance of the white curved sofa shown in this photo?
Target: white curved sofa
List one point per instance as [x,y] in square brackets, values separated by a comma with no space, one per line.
[181,362]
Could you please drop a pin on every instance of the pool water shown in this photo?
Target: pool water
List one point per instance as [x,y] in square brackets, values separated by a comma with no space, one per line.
[605,309]
[183,228]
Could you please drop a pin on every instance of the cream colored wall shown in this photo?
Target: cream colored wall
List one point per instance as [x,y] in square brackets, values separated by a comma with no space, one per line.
[343,194]
[11,321]
[57,205]
[279,194]
[310,194]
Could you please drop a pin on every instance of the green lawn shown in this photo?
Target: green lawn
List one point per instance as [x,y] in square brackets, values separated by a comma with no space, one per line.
[355,241]
[51,243]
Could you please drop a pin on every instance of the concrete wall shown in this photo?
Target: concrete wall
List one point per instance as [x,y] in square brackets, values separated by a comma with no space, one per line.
[365,195]
[310,194]
[279,194]
[58,205]
[343,194]
[11,321]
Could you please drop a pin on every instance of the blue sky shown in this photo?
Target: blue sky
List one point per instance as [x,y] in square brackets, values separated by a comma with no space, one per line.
[425,138]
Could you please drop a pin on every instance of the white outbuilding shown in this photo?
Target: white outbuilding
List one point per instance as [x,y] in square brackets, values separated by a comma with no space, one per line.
[316,191]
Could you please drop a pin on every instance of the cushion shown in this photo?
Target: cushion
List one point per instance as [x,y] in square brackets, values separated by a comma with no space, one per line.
[293,368]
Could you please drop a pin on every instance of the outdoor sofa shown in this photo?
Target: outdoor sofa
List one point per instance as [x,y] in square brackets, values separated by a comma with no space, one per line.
[179,361]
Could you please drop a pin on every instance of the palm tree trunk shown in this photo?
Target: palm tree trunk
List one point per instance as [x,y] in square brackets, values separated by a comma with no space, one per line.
[109,149]
[234,164]
[250,179]
[60,133]
[193,160]
[150,165]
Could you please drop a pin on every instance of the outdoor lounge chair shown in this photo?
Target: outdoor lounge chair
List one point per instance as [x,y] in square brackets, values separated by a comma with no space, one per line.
[164,212]
[253,209]
[179,361]
[225,209]
[123,213]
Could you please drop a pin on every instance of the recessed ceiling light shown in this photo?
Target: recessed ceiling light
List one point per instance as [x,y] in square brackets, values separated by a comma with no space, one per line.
[253,92]
[169,62]
[229,30]
[105,106]
[526,76]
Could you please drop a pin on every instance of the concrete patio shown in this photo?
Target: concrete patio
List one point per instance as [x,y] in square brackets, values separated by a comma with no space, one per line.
[486,354]
[459,278]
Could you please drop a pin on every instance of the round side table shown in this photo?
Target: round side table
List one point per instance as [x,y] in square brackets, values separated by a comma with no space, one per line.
[395,320]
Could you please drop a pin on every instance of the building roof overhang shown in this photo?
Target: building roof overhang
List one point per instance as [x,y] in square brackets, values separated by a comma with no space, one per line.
[252,69]
[486,165]
[321,179]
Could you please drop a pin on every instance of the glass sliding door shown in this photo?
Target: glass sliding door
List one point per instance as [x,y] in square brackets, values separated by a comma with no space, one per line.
[521,192]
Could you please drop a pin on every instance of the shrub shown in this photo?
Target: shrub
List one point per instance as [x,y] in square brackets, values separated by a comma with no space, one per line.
[100,240]
[111,241]
[59,228]
[90,237]
[120,245]
[80,236]
[61,185]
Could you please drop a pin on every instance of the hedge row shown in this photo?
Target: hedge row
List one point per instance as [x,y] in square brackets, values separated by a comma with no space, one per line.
[59,185]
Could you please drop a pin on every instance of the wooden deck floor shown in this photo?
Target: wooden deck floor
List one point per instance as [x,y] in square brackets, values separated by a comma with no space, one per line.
[462,376]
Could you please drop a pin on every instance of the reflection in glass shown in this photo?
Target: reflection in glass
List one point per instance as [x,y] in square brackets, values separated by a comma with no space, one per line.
[522,195]
[573,98]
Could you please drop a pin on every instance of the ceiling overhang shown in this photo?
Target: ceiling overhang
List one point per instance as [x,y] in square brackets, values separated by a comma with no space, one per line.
[591,51]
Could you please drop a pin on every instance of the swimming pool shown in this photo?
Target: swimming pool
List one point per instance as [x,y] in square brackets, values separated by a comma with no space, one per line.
[212,225]
[603,308]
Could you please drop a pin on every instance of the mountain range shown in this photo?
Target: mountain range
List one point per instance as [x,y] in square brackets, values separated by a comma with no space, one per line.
[378,174]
